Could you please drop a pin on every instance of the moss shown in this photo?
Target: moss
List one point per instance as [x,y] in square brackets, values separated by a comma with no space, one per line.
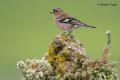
[67,60]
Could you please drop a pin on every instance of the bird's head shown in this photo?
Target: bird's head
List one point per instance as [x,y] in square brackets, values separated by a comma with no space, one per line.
[57,11]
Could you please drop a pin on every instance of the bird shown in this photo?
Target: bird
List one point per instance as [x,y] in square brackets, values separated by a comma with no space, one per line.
[66,22]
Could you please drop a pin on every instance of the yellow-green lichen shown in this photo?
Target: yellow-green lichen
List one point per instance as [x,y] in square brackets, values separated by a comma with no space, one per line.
[64,50]
[66,59]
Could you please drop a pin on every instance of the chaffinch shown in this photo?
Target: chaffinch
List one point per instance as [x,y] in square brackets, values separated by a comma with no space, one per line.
[65,22]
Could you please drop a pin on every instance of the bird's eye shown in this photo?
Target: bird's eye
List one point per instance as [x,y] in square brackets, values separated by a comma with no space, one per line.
[55,10]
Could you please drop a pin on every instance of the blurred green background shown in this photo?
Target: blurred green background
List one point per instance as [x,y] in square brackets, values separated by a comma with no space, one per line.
[27,28]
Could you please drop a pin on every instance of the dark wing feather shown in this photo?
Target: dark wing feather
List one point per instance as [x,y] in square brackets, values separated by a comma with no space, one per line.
[74,21]
[66,20]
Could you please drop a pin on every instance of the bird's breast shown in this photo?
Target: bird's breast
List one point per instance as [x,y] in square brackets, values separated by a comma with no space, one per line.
[63,26]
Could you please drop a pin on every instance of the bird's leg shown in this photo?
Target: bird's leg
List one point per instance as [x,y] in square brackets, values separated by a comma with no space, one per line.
[64,34]
[69,33]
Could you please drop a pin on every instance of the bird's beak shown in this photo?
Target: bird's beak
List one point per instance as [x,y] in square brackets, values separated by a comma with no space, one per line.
[51,12]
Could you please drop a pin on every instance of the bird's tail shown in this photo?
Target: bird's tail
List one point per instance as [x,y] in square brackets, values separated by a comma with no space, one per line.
[90,26]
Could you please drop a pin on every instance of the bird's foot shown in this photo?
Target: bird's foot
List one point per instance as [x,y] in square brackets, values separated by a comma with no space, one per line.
[70,35]
[67,35]
[64,34]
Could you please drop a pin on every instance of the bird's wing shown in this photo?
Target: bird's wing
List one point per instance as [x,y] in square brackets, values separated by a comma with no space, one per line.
[71,20]
[74,21]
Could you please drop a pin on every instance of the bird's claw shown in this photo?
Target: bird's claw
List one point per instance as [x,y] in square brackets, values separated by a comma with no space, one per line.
[69,34]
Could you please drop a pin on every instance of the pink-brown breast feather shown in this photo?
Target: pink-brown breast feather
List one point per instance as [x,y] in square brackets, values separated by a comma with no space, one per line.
[63,26]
